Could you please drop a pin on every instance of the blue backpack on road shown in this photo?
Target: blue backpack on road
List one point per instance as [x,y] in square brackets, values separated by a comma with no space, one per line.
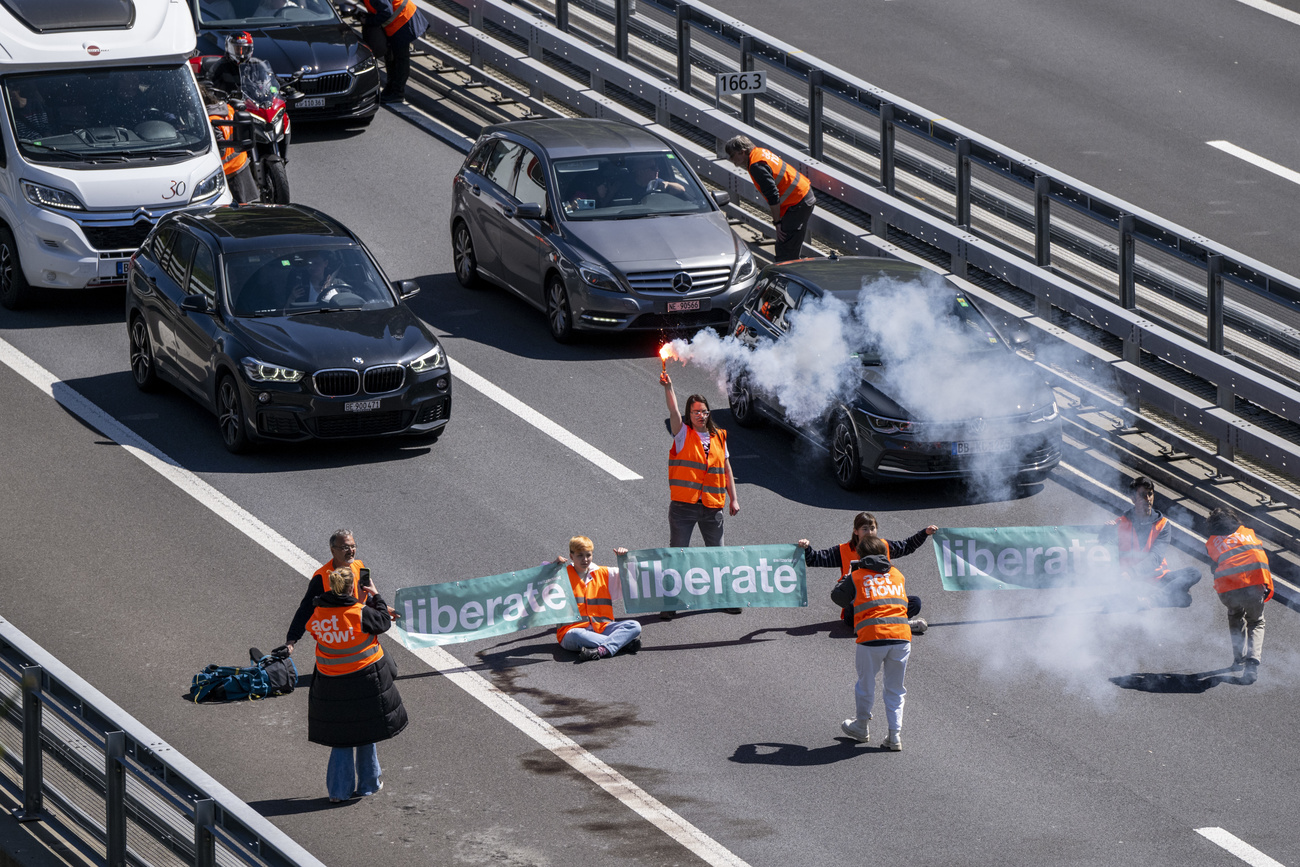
[270,674]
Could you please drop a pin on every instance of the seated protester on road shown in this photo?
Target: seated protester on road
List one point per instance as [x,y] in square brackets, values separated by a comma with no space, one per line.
[598,635]
[840,556]
[1142,536]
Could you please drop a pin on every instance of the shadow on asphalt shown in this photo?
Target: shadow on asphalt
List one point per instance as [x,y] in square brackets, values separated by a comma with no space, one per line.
[797,755]
[296,806]
[1179,683]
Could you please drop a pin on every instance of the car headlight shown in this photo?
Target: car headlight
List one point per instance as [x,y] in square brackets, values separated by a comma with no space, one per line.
[260,371]
[431,360]
[209,186]
[744,262]
[1046,413]
[600,279]
[364,66]
[880,424]
[51,197]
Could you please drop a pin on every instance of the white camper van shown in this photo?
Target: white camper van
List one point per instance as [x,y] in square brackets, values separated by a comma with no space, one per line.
[102,133]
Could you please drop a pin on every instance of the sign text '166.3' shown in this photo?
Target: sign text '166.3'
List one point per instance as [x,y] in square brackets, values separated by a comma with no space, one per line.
[741,82]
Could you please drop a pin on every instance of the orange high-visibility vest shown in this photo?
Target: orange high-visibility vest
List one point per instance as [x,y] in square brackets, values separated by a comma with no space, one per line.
[1239,561]
[232,160]
[694,476]
[403,11]
[341,646]
[323,573]
[594,601]
[880,606]
[791,185]
[1133,551]
[849,553]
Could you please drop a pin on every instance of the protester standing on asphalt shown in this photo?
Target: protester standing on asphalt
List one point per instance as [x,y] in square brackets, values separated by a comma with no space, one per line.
[1143,537]
[353,702]
[598,635]
[343,548]
[840,556]
[788,193]
[1244,583]
[878,596]
[389,30]
[699,475]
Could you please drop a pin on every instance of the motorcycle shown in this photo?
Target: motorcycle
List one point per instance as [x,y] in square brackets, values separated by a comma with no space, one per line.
[264,123]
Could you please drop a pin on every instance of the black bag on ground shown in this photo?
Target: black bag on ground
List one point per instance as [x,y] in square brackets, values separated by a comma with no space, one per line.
[270,674]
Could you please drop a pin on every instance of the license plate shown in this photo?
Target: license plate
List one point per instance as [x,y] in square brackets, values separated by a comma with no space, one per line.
[980,447]
[680,306]
[360,405]
[121,267]
[310,102]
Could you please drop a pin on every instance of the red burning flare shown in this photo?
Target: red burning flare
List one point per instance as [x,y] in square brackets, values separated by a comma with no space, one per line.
[666,352]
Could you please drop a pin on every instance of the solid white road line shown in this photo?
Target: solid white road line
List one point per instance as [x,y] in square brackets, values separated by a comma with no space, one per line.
[1273,9]
[542,423]
[627,792]
[1240,848]
[1256,160]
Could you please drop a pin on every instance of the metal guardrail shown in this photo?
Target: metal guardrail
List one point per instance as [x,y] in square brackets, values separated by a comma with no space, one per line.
[1201,343]
[86,765]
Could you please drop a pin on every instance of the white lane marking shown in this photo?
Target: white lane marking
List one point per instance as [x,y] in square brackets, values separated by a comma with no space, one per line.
[628,793]
[1256,160]
[1273,9]
[1238,847]
[542,423]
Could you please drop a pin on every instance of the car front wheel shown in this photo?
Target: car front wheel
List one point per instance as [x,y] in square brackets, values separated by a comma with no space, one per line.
[143,370]
[846,455]
[462,249]
[230,417]
[558,313]
[15,293]
[741,400]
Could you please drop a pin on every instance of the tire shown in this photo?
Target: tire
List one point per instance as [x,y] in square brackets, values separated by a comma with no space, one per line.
[462,253]
[740,398]
[15,292]
[143,367]
[275,183]
[559,315]
[230,417]
[846,454]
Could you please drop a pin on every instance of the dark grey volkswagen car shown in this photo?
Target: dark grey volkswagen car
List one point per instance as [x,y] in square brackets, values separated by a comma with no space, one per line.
[601,224]
[940,402]
[277,319]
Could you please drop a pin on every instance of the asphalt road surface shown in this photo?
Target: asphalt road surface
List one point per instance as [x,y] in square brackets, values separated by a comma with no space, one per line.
[1020,748]
[1123,96]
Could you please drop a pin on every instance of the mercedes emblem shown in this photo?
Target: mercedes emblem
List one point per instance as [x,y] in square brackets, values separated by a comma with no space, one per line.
[682,282]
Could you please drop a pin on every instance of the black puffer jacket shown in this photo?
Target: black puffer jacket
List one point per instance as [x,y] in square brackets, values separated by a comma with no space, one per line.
[364,707]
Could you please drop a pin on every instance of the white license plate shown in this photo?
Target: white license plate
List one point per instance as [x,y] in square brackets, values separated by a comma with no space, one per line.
[121,267]
[980,447]
[679,306]
[360,405]
[310,102]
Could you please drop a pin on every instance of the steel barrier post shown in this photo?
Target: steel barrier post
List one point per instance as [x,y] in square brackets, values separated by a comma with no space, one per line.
[622,12]
[887,147]
[562,15]
[684,48]
[1214,293]
[1127,246]
[115,798]
[815,113]
[747,65]
[33,760]
[963,181]
[205,838]
[1042,221]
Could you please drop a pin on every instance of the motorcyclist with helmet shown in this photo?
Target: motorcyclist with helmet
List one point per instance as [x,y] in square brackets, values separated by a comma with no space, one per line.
[224,74]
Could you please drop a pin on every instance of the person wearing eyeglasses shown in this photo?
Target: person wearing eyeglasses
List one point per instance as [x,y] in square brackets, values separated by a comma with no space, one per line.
[700,481]
[343,551]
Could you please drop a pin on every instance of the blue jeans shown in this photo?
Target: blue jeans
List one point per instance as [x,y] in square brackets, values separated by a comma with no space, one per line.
[345,778]
[613,639]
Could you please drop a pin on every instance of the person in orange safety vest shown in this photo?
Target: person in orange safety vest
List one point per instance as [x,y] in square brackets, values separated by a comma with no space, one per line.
[598,635]
[1244,583]
[234,162]
[876,590]
[343,550]
[700,480]
[786,190]
[1143,535]
[389,29]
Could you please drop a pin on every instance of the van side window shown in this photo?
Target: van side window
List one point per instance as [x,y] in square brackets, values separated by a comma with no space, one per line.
[203,275]
[177,257]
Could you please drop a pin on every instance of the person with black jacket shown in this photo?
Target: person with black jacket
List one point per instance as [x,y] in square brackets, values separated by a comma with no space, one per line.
[353,702]
[389,28]
[343,548]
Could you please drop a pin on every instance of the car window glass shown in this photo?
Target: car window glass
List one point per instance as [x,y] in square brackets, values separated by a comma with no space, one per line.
[178,256]
[203,274]
[531,186]
[160,245]
[774,304]
[478,158]
[304,281]
[626,186]
[235,14]
[501,164]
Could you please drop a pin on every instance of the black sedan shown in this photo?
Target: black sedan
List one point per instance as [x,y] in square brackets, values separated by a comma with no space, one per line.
[279,320]
[342,78]
[932,389]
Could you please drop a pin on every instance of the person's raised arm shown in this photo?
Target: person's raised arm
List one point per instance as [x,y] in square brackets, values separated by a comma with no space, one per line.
[674,412]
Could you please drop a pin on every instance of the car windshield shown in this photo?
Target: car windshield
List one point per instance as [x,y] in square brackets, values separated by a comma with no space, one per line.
[244,14]
[304,281]
[961,331]
[107,115]
[626,186]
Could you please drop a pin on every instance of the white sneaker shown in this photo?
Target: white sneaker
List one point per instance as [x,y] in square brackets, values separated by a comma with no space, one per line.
[859,730]
[893,743]
[918,625]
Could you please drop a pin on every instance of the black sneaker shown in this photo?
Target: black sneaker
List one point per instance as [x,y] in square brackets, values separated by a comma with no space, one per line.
[632,646]
[254,654]
[1251,674]
[587,654]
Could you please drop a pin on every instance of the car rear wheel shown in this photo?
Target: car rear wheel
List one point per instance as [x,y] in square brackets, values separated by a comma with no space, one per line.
[143,370]
[230,417]
[558,313]
[846,455]
[462,250]
[15,293]
[741,400]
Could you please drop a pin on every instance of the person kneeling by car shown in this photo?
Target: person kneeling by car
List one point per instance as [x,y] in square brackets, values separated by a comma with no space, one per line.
[598,635]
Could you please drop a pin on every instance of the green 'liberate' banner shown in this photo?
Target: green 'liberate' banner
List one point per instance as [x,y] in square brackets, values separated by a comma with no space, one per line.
[1021,558]
[686,579]
[483,607]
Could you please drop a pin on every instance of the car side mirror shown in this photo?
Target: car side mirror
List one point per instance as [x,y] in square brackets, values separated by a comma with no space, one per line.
[722,198]
[529,211]
[196,304]
[407,289]
[347,9]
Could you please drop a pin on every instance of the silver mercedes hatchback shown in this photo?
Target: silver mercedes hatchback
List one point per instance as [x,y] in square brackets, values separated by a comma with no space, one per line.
[600,224]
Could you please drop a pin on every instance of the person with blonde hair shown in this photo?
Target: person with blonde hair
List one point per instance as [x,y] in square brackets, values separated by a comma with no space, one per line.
[598,635]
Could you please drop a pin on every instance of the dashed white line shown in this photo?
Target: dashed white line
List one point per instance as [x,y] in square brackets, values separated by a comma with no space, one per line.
[1238,847]
[627,792]
[542,423]
[1256,160]
[1273,9]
